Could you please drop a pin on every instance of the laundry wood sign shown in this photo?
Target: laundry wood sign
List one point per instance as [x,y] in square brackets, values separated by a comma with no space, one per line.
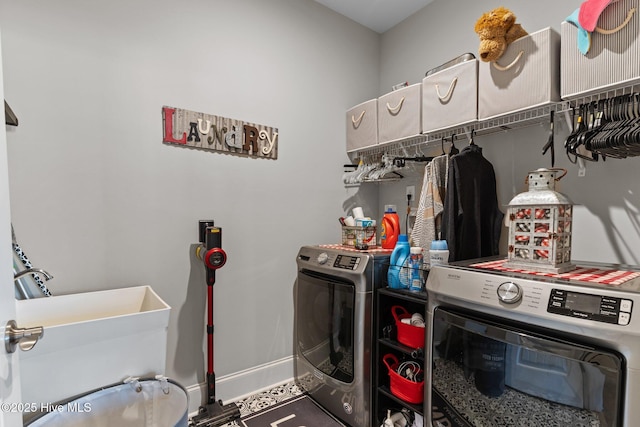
[209,132]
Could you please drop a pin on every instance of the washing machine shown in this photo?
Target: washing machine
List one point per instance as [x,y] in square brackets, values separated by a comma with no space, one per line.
[334,295]
[514,347]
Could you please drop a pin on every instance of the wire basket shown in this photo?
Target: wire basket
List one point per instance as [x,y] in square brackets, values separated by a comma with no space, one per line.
[359,237]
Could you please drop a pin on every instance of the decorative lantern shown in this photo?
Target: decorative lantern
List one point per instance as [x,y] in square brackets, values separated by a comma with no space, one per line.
[540,225]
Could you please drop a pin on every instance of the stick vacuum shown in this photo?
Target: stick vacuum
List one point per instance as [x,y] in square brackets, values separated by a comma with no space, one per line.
[213,413]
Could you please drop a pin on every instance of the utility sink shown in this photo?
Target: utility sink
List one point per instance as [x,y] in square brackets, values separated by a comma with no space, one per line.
[91,340]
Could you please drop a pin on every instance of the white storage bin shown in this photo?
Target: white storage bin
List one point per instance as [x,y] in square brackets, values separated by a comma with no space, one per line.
[91,340]
[450,97]
[399,113]
[362,125]
[613,59]
[527,75]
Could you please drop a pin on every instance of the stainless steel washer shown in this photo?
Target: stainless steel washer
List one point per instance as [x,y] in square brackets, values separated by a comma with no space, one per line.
[334,328]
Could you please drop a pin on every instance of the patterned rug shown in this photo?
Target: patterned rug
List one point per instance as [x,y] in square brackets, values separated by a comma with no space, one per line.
[263,400]
[295,412]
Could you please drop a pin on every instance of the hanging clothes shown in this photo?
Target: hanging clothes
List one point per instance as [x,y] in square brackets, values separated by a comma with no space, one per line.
[472,221]
[431,204]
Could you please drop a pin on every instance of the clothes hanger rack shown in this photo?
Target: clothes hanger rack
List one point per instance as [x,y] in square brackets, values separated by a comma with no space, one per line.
[608,127]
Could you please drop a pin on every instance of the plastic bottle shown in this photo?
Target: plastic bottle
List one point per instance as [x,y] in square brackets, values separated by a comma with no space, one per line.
[390,227]
[398,264]
[438,253]
[415,269]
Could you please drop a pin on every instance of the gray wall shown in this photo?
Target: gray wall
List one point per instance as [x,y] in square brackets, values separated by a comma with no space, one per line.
[608,213]
[100,202]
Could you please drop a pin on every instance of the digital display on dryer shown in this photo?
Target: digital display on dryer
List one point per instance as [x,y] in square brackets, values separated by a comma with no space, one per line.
[347,262]
[600,308]
[583,302]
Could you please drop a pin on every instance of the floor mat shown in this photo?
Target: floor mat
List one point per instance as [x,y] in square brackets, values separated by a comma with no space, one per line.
[296,412]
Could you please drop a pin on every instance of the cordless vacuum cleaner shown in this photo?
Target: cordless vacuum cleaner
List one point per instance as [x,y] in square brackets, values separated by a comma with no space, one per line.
[214,413]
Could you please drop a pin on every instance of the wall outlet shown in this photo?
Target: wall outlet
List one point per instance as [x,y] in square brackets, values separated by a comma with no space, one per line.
[411,190]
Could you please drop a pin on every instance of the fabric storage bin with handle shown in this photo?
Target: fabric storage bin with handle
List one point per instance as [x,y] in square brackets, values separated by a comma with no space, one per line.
[450,97]
[409,388]
[362,125]
[613,57]
[399,113]
[527,75]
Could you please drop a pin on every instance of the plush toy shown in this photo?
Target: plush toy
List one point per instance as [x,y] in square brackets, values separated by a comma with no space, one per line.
[497,29]
[586,17]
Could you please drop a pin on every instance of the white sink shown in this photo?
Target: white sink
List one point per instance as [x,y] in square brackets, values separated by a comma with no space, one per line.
[91,340]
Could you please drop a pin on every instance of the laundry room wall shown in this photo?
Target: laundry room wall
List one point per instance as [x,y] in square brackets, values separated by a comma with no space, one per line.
[100,202]
[607,213]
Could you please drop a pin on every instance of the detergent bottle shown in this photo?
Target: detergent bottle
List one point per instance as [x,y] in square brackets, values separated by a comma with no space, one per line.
[398,274]
[415,269]
[390,227]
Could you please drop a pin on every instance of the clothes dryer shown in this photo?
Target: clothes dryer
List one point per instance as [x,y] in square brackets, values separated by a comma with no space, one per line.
[511,347]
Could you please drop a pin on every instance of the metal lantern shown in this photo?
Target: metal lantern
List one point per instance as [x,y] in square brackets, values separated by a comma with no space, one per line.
[540,225]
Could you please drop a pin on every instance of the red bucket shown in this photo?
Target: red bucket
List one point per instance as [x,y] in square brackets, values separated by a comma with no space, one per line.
[405,389]
[409,335]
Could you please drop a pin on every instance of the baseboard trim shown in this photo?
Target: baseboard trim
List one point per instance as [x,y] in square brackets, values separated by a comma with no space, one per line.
[242,384]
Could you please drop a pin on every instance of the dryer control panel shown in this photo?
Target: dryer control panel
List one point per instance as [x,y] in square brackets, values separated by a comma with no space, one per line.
[347,262]
[590,306]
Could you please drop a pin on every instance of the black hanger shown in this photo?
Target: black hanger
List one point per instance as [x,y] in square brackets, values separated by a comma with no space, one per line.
[550,144]
[453,150]
[471,138]
[583,126]
[400,161]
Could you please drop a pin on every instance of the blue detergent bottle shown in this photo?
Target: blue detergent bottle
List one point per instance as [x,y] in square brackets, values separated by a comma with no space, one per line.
[397,276]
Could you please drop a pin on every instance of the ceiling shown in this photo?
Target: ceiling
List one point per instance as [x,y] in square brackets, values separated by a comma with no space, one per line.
[378,15]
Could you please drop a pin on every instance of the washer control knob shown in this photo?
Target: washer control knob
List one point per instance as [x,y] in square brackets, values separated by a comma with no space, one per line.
[323,258]
[509,293]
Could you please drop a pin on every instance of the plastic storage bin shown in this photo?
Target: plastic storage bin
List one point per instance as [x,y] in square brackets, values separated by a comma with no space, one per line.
[92,339]
[405,389]
[399,113]
[409,335]
[450,97]
[613,59]
[526,76]
[362,125]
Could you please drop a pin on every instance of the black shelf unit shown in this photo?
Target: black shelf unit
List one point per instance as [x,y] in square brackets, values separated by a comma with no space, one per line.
[386,342]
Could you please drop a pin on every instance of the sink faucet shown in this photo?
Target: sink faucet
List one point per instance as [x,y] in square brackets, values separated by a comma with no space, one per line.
[32,271]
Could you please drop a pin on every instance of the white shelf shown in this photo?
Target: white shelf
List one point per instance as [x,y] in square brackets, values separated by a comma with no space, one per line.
[516,120]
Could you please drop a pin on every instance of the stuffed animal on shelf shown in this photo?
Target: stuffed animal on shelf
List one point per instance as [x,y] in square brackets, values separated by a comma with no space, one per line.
[497,29]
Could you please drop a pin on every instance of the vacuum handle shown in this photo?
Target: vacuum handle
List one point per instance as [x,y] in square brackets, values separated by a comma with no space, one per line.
[215,257]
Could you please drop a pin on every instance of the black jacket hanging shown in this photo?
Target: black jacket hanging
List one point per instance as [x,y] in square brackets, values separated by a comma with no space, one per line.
[472,222]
